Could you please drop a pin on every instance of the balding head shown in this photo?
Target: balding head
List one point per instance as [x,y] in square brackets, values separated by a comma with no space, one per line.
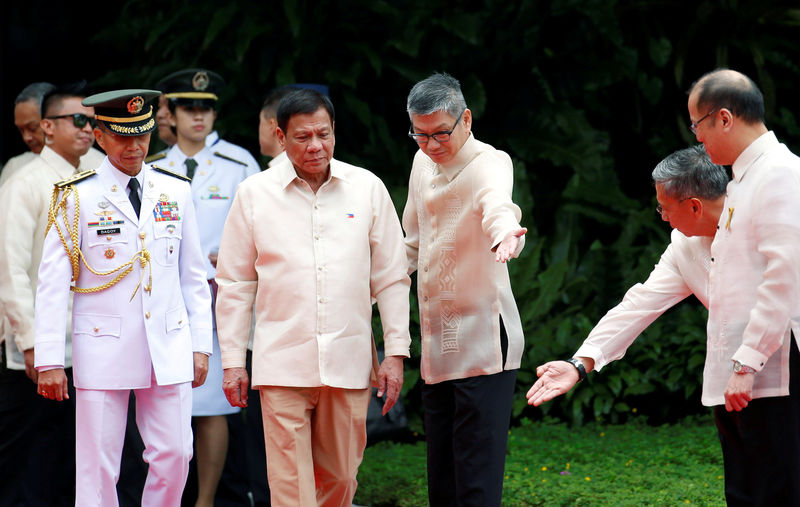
[732,90]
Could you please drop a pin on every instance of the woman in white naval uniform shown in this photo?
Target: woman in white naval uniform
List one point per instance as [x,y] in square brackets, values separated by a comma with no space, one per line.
[192,97]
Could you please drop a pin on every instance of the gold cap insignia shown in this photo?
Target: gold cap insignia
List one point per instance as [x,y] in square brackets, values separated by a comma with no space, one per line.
[200,80]
[135,105]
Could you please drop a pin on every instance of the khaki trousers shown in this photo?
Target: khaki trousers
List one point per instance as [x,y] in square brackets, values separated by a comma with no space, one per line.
[315,439]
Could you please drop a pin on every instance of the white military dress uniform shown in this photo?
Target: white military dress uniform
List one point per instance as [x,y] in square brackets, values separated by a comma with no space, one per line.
[137,334]
[234,151]
[213,187]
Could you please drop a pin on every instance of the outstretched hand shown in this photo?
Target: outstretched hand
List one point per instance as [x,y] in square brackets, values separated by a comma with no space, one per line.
[555,379]
[505,250]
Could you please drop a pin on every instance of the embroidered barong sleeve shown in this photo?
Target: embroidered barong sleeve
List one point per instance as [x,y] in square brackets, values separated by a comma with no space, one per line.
[493,184]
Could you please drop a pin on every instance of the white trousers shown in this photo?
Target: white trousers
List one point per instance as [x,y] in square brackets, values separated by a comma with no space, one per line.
[163,416]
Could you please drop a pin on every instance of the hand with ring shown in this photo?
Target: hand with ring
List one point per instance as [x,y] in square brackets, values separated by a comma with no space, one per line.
[53,384]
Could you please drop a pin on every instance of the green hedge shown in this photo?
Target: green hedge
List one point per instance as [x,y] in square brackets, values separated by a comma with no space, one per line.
[585,95]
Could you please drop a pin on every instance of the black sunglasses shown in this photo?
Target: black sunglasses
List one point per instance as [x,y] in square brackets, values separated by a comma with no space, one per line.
[78,119]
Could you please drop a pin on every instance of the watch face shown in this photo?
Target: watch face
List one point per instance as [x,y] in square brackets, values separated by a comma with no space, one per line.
[737,366]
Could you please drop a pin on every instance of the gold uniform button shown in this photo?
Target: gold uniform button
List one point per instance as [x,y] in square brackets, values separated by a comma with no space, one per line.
[146,315]
[142,235]
[96,330]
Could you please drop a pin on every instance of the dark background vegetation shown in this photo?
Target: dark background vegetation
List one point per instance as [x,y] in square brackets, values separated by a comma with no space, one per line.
[586,96]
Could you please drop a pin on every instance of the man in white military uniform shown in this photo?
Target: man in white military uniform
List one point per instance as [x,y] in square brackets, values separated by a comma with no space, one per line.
[141,314]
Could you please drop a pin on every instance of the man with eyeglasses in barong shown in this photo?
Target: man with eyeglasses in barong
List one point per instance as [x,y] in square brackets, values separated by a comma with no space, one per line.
[461,227]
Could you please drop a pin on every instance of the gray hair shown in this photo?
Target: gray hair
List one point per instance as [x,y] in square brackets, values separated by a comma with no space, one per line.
[34,92]
[690,173]
[439,92]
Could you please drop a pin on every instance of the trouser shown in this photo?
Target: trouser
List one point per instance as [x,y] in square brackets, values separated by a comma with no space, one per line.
[466,424]
[315,439]
[761,446]
[37,444]
[163,416]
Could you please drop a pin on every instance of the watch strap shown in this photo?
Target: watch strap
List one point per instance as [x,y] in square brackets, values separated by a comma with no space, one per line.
[578,364]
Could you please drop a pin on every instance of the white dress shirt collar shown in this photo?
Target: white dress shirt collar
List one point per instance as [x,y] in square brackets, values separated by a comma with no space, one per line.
[123,178]
[750,154]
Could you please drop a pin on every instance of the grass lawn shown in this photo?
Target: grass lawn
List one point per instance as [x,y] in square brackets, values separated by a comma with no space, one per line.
[550,463]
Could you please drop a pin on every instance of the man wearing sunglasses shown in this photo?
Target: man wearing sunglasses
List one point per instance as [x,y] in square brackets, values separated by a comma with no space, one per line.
[29,419]
[461,227]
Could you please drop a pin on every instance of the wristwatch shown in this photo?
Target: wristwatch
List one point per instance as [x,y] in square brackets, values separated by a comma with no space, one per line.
[741,369]
[578,366]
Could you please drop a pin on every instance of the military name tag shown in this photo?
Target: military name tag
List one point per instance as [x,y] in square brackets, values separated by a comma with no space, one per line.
[103,232]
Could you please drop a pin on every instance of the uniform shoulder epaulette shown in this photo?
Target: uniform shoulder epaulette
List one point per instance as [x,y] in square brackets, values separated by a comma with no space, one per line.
[157,156]
[75,178]
[229,158]
[170,173]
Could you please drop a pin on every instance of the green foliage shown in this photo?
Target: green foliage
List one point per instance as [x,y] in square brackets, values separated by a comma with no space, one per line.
[585,95]
[552,464]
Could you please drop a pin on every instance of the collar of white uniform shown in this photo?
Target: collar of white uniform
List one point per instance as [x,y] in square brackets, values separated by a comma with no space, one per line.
[179,157]
[121,178]
[745,160]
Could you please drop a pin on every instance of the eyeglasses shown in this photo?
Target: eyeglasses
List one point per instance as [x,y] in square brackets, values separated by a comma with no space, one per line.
[78,119]
[693,126]
[660,209]
[440,137]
